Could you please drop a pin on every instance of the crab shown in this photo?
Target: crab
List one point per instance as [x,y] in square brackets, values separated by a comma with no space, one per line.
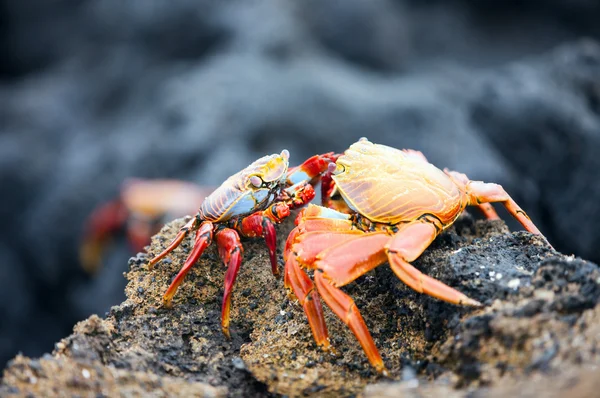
[383,205]
[248,203]
[141,209]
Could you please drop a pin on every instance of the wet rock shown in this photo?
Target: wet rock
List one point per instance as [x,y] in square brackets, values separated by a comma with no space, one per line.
[546,324]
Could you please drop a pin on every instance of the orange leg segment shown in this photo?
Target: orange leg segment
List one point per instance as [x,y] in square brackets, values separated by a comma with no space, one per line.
[203,239]
[487,192]
[488,211]
[355,256]
[231,252]
[345,308]
[305,292]
[341,264]
[407,245]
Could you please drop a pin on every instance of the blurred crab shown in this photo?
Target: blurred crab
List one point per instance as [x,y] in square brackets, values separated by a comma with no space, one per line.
[141,209]
[248,203]
[386,205]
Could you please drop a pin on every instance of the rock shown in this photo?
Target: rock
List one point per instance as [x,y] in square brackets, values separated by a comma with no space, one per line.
[546,324]
[94,92]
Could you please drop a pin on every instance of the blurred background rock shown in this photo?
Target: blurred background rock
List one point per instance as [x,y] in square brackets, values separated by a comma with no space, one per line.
[93,92]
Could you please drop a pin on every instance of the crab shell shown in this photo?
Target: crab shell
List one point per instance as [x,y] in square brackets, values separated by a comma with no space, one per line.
[391,186]
[247,191]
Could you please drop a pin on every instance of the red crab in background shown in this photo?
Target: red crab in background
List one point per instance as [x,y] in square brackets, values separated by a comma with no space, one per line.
[384,205]
[247,204]
[141,209]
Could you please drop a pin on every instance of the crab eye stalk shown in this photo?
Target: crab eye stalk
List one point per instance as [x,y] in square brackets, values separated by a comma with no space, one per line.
[331,167]
[256,181]
[336,168]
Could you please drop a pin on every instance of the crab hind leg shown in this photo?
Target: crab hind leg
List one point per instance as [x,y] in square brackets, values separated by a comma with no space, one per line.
[407,245]
[488,211]
[203,239]
[231,252]
[482,192]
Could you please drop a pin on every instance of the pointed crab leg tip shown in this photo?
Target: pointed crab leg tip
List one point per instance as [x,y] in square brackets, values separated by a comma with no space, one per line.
[381,369]
[167,302]
[470,302]
[225,330]
[327,347]
[151,264]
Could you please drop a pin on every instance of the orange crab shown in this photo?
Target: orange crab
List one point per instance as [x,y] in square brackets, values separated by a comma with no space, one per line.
[395,204]
[142,208]
[248,203]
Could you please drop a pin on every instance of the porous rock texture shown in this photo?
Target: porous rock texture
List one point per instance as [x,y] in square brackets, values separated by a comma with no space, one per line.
[95,91]
[538,329]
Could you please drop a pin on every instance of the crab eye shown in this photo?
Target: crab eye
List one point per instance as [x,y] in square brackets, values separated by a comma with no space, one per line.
[339,168]
[256,181]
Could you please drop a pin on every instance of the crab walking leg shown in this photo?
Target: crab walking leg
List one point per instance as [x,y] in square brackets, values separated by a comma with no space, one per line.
[231,252]
[488,211]
[488,192]
[190,225]
[340,265]
[307,295]
[203,239]
[304,253]
[345,308]
[407,245]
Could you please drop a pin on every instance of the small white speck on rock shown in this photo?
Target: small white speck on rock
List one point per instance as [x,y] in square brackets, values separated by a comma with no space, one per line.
[514,283]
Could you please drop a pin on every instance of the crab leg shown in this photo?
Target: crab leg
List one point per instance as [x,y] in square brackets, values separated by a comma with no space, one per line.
[488,211]
[307,295]
[304,253]
[345,308]
[231,252]
[203,239]
[190,225]
[341,264]
[407,245]
[488,192]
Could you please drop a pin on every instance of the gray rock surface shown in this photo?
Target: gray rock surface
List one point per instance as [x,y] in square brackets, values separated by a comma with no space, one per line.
[538,329]
[93,92]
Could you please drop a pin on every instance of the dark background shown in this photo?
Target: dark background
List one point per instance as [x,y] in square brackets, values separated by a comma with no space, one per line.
[93,92]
